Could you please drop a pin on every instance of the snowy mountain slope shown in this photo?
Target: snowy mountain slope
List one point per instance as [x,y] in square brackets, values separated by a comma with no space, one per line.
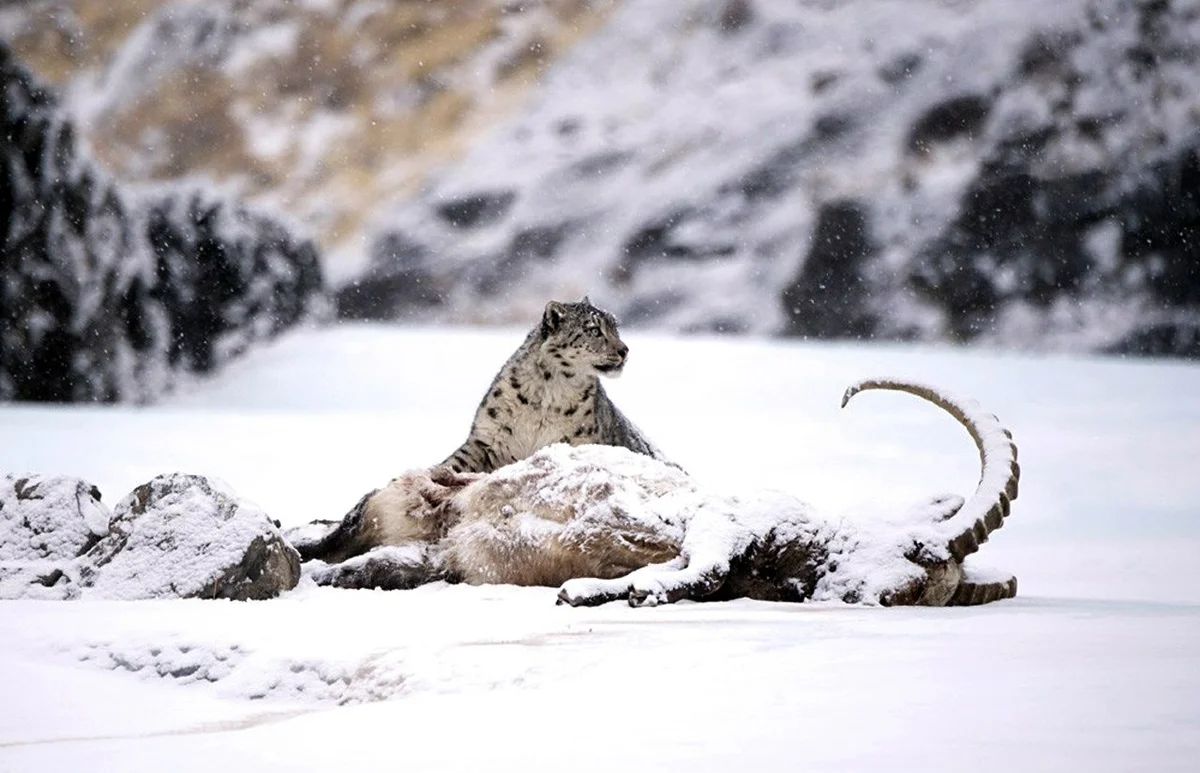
[1013,173]
[1092,666]
[321,108]
[1017,173]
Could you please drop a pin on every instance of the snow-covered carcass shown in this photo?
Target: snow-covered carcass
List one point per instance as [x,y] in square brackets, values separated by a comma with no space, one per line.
[603,524]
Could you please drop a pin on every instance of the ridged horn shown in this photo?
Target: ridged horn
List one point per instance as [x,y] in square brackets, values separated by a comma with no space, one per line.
[986,510]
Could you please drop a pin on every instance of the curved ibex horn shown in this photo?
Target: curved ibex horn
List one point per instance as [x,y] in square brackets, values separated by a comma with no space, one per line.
[986,510]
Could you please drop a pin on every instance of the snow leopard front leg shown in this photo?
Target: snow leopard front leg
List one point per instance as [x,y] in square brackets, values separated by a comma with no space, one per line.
[475,455]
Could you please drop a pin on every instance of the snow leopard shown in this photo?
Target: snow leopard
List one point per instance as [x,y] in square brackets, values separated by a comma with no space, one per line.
[549,391]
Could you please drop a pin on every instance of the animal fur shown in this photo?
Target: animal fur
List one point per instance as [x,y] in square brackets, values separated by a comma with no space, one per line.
[605,524]
[549,392]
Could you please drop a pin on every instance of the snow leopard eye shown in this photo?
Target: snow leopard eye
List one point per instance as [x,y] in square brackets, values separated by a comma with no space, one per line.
[593,331]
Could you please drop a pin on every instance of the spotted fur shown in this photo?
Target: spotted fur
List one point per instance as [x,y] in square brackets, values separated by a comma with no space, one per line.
[549,391]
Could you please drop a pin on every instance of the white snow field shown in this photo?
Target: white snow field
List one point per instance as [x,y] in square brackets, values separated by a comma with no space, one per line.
[1094,666]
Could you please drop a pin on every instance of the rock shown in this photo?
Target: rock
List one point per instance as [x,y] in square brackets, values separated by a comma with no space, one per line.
[46,524]
[107,296]
[529,251]
[735,15]
[229,277]
[188,536]
[176,536]
[960,116]
[477,209]
[401,282]
[828,298]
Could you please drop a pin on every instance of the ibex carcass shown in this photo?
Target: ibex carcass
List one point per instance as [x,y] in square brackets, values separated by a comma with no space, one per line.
[605,524]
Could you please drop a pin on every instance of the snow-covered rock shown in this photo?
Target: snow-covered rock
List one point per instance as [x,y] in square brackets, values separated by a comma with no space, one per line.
[46,524]
[189,536]
[176,536]
[106,295]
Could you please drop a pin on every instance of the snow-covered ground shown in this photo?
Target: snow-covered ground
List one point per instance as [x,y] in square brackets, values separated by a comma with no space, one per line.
[1095,666]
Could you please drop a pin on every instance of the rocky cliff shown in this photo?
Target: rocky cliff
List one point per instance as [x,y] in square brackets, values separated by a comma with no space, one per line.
[107,294]
[1021,174]
[1011,173]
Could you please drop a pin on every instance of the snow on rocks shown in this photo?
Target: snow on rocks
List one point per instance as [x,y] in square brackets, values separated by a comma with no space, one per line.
[46,524]
[1001,171]
[189,536]
[112,294]
[176,536]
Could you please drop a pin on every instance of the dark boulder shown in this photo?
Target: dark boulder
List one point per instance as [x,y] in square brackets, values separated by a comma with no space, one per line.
[828,297]
[477,209]
[401,282]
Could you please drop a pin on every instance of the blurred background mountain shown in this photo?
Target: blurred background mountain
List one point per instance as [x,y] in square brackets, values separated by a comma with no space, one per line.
[1012,173]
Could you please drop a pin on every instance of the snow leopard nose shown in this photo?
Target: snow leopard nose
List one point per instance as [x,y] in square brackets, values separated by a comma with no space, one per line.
[622,351]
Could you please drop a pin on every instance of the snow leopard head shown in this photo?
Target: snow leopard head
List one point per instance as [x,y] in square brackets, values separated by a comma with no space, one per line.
[579,335]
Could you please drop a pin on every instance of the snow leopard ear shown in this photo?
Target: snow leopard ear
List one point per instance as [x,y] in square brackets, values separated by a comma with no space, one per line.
[552,317]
